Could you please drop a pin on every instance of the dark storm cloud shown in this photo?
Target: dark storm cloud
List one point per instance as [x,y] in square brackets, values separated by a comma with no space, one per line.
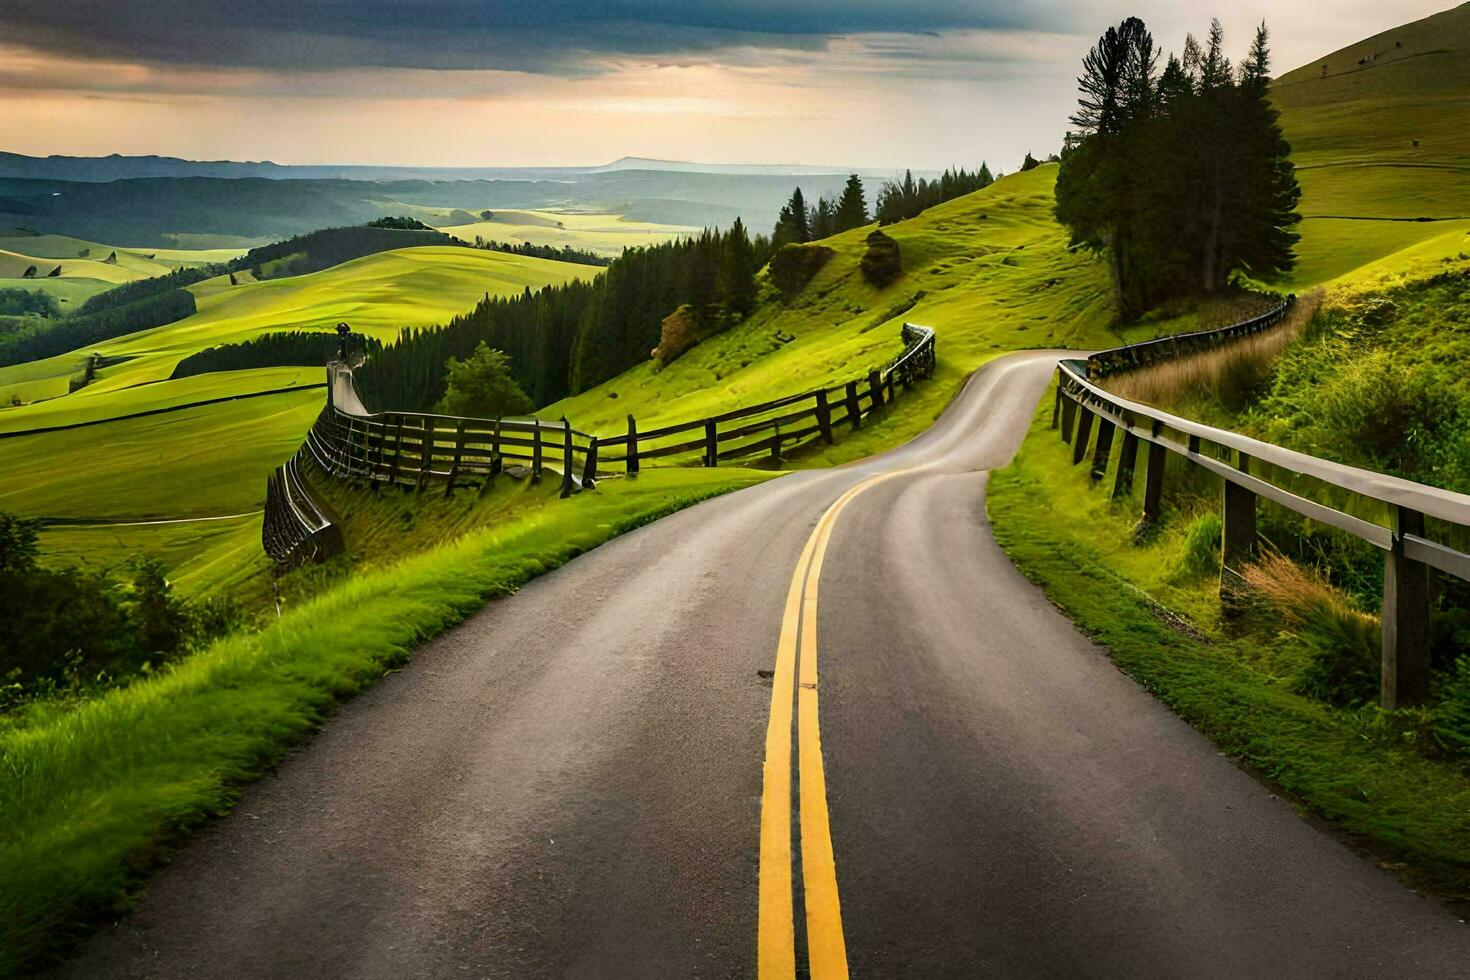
[566,37]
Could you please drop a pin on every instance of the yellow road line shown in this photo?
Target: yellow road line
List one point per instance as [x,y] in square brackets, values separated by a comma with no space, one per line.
[826,946]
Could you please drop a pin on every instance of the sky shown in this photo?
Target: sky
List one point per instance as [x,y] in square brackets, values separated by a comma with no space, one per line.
[918,83]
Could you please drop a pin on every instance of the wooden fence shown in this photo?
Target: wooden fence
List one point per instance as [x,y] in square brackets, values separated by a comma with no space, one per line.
[1412,524]
[416,449]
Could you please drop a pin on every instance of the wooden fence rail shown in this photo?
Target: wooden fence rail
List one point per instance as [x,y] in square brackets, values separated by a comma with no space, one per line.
[415,449]
[1385,511]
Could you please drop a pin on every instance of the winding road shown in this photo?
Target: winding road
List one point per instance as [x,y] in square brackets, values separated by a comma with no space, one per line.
[924,771]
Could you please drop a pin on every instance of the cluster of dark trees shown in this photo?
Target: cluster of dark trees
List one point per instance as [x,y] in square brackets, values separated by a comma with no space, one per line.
[566,339]
[402,223]
[37,338]
[68,626]
[140,289]
[26,302]
[563,254]
[898,200]
[1181,176]
[283,348]
[799,223]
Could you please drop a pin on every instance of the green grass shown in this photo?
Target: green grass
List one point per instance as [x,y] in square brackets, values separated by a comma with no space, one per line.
[195,462]
[96,794]
[994,273]
[68,292]
[1160,622]
[377,295]
[1385,139]
[604,234]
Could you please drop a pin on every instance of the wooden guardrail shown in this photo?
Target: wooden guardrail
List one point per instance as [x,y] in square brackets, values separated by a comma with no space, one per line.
[416,449]
[1413,524]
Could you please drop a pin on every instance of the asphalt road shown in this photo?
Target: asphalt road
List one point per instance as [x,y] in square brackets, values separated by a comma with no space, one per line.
[544,795]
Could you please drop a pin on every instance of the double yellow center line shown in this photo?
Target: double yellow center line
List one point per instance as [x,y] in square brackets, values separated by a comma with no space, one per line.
[795,679]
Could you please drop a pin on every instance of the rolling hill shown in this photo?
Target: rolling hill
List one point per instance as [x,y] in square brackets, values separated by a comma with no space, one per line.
[1382,152]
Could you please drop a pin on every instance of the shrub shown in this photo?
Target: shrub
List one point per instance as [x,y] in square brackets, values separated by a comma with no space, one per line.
[881,263]
[793,266]
[481,386]
[678,332]
[25,302]
[1451,724]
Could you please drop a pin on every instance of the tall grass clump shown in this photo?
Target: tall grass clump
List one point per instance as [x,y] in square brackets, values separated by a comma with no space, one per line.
[1342,643]
[1222,379]
[1199,556]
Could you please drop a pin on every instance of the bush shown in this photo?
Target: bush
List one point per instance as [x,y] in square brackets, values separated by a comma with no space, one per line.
[481,386]
[1452,716]
[26,302]
[793,266]
[881,263]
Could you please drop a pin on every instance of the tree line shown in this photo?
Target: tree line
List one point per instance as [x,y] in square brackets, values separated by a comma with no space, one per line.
[565,339]
[564,253]
[283,348]
[1182,177]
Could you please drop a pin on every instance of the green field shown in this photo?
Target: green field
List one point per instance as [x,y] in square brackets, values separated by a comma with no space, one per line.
[84,271]
[604,234]
[1382,135]
[377,295]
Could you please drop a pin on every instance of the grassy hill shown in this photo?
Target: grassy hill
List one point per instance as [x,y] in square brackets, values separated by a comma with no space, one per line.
[604,234]
[991,272]
[84,269]
[377,295]
[1377,132]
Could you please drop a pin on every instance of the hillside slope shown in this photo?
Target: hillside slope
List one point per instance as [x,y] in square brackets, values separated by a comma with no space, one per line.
[1378,132]
[990,271]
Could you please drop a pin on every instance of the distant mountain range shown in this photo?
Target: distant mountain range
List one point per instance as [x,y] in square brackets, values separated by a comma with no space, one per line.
[118,167]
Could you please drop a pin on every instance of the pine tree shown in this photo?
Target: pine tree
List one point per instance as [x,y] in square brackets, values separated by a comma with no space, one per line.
[852,207]
[794,224]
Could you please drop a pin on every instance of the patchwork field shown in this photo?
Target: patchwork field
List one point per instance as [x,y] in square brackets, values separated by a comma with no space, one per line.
[604,234]
[85,270]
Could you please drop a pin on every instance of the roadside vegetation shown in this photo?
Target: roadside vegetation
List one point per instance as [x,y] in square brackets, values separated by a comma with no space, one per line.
[96,793]
[1288,688]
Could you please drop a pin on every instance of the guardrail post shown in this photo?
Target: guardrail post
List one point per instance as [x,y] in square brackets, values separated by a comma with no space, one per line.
[589,468]
[1056,408]
[1104,449]
[824,416]
[1153,483]
[1069,415]
[1127,459]
[1237,534]
[1084,429]
[854,413]
[632,454]
[535,448]
[566,458]
[1405,673]
[875,387]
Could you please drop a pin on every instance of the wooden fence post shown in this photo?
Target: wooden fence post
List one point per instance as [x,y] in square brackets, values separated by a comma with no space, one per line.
[875,386]
[854,414]
[1153,483]
[711,444]
[397,448]
[426,450]
[566,458]
[776,444]
[458,452]
[589,468]
[536,449]
[1084,430]
[1104,449]
[497,459]
[824,416]
[1405,672]
[1127,459]
[1237,532]
[890,386]
[1069,416]
[632,454]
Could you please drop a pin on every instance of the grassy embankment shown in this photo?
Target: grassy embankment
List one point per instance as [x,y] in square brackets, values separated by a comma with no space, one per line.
[1371,381]
[1155,605]
[93,795]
